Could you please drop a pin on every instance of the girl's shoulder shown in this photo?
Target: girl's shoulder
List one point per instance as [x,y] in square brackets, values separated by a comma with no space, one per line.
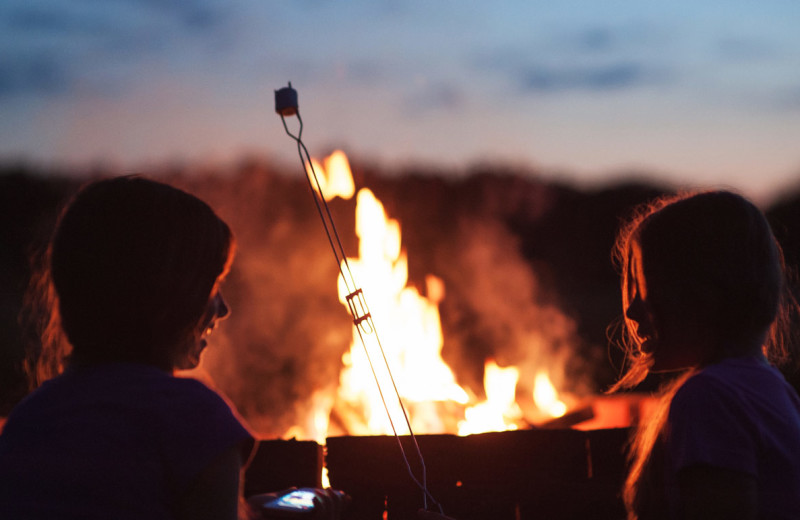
[736,372]
[140,390]
[740,385]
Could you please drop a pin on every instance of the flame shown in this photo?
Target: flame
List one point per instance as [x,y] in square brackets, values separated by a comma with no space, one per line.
[500,411]
[546,397]
[410,334]
[335,178]
[317,419]
[409,341]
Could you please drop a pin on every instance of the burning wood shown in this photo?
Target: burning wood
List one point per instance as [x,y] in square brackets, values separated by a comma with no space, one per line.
[571,419]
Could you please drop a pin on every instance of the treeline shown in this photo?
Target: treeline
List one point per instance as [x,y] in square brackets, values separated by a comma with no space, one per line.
[526,265]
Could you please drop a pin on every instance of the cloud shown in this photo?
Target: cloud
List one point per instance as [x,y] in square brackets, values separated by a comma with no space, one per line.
[35,74]
[595,57]
[624,38]
[116,17]
[608,77]
[34,24]
[32,18]
[107,46]
[596,39]
[194,15]
[441,96]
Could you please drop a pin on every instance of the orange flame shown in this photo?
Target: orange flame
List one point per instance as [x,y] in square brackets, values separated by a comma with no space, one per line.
[410,333]
[335,178]
[546,397]
[499,412]
[410,342]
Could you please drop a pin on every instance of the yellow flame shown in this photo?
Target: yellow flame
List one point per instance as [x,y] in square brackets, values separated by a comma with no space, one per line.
[316,418]
[409,327]
[500,411]
[335,177]
[546,397]
[411,339]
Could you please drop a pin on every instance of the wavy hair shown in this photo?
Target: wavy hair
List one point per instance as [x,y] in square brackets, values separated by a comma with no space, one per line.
[713,262]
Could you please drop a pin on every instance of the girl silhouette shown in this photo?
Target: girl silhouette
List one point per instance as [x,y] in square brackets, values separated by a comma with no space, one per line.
[137,267]
[704,293]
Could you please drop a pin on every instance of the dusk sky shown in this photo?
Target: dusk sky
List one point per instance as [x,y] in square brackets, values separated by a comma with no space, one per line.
[700,92]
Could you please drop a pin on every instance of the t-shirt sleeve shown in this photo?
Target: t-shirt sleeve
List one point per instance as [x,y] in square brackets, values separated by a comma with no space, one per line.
[198,427]
[707,425]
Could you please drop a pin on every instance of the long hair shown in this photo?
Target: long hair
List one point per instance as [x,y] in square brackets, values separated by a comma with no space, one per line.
[133,263]
[714,263]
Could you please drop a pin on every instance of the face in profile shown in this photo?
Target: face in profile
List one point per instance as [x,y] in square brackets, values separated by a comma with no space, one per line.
[216,310]
[638,312]
[658,329]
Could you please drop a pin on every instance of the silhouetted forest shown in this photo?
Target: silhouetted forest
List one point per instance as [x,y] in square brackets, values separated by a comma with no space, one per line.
[526,266]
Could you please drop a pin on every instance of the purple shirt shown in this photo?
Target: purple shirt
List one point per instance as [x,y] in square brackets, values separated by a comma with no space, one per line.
[112,441]
[742,415]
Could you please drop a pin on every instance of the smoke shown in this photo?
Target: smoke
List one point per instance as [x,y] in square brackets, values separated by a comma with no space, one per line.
[287,331]
[525,268]
[279,354]
[493,310]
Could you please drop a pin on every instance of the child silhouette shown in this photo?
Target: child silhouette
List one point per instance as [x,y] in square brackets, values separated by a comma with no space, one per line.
[704,293]
[137,267]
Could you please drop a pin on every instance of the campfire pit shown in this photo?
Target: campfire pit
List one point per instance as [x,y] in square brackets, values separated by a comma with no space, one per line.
[531,465]
[526,474]
[533,474]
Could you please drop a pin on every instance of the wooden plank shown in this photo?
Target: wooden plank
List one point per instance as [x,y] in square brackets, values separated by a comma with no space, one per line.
[554,474]
[279,465]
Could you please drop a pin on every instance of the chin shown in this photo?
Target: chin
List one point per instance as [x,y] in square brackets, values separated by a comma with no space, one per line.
[192,357]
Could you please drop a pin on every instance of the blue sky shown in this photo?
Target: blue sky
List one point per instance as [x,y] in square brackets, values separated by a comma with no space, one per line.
[699,92]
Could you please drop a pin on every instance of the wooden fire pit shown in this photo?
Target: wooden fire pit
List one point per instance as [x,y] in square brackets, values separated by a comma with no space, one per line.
[531,474]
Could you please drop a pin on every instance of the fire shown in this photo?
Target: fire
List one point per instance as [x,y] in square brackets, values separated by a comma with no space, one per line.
[335,177]
[500,411]
[410,334]
[546,397]
[407,336]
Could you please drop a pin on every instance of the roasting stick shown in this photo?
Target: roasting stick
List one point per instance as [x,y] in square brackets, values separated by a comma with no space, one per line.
[286,106]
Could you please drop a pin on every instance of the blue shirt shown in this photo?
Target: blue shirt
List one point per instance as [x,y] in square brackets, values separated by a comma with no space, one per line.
[740,414]
[111,441]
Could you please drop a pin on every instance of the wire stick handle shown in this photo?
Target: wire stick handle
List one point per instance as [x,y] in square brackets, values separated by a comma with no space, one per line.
[286,105]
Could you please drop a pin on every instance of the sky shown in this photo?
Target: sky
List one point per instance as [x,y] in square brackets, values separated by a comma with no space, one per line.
[690,92]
